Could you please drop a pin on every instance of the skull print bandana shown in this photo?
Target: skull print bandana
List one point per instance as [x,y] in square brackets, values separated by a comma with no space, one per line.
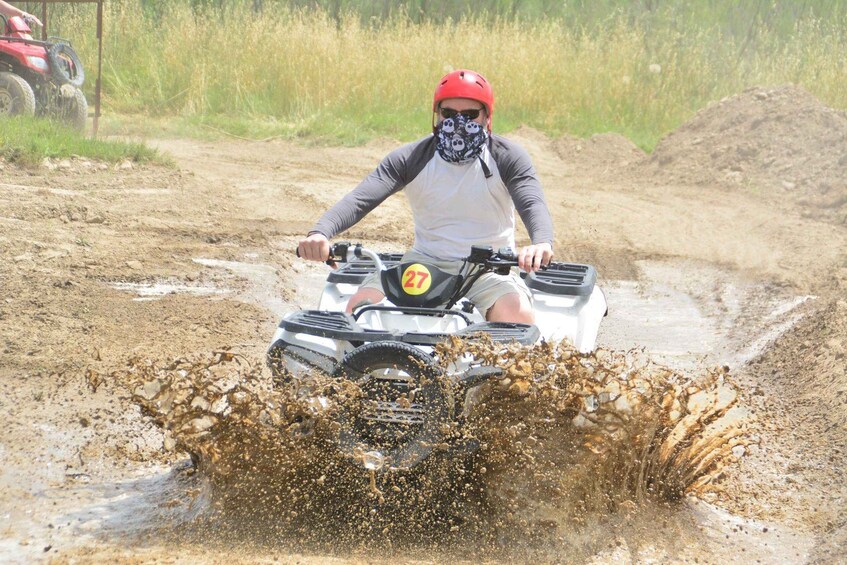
[460,139]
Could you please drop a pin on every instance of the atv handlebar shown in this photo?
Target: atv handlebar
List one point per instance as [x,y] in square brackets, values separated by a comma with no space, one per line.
[346,252]
[499,261]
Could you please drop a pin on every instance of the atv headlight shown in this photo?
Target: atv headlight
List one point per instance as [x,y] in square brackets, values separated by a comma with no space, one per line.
[37,62]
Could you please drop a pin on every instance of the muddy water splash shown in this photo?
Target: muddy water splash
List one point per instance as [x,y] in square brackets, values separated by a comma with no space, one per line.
[572,438]
[265,456]
[566,439]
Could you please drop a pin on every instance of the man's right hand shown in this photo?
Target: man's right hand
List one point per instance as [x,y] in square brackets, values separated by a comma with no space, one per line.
[314,248]
[31,20]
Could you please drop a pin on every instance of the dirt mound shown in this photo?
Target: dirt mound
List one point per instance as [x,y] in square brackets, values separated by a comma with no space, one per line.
[812,360]
[597,155]
[601,147]
[599,152]
[780,140]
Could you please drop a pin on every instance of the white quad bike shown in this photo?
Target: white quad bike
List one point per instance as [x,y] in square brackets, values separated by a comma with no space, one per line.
[387,349]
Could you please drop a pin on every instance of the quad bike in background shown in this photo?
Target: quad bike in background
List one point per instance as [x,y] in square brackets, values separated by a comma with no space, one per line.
[41,78]
[407,399]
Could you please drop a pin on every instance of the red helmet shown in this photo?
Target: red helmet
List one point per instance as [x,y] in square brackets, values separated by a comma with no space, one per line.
[465,84]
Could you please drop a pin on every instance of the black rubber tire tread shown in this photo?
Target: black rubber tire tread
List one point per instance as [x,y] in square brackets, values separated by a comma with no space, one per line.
[57,71]
[379,354]
[375,353]
[23,98]
[74,110]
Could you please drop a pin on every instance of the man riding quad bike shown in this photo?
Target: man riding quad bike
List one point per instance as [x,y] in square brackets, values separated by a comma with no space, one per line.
[409,401]
[380,317]
[41,78]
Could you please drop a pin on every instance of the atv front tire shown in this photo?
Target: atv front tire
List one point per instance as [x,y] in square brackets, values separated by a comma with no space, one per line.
[16,96]
[72,110]
[404,408]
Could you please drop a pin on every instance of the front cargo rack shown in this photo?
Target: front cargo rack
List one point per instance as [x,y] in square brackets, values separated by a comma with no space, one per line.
[566,279]
[343,326]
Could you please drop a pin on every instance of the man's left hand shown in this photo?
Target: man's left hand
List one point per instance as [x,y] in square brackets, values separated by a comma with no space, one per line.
[533,257]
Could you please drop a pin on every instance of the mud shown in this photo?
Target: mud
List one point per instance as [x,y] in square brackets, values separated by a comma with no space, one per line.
[628,431]
[701,272]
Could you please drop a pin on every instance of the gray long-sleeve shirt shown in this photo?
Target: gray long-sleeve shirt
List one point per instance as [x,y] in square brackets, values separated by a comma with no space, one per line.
[455,206]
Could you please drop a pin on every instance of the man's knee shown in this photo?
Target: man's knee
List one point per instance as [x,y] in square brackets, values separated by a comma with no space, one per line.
[513,307]
[363,297]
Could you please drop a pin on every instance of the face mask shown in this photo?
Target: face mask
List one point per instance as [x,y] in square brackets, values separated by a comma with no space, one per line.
[460,139]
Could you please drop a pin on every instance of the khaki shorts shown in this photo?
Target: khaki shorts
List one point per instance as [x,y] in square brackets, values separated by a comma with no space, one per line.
[484,293]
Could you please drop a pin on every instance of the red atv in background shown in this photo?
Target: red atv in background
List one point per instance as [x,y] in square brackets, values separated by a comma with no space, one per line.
[42,78]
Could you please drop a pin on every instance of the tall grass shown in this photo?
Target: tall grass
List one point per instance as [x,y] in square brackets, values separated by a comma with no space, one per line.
[28,141]
[257,68]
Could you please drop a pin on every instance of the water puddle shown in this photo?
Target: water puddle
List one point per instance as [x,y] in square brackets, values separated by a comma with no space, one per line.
[155,290]
[689,315]
[761,542]
[84,511]
[263,289]
[685,315]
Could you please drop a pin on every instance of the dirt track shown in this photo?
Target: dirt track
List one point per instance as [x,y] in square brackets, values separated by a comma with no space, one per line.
[726,246]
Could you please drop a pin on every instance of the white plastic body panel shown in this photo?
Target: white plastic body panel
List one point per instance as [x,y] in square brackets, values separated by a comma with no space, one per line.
[573,318]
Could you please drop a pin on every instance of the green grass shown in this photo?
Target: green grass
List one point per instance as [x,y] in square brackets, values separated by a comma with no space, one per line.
[339,73]
[29,141]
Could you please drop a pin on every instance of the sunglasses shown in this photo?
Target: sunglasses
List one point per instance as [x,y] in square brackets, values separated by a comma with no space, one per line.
[448,113]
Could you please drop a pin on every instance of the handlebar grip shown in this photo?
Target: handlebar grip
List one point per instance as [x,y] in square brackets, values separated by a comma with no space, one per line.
[511,256]
[330,261]
[339,250]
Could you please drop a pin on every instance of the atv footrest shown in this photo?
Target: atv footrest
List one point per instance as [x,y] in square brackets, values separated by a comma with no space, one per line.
[525,334]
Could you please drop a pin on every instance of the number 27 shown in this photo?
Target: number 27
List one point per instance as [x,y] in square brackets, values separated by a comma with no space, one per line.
[410,279]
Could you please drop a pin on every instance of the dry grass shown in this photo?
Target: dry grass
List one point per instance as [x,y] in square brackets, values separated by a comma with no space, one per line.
[307,73]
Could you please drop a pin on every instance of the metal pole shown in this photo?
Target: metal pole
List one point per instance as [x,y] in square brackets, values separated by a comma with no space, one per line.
[99,65]
[44,21]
